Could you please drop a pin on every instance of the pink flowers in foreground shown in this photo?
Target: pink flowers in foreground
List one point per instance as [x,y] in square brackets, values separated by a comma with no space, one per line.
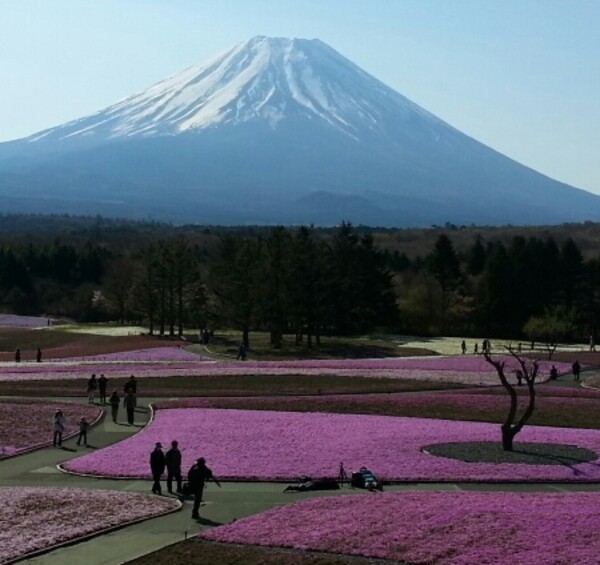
[25,425]
[443,528]
[33,519]
[266,445]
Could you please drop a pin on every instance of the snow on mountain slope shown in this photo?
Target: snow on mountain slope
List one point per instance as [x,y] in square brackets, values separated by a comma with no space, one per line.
[271,79]
[277,131]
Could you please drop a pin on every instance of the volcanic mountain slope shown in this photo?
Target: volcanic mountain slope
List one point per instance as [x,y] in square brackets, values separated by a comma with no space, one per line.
[277,131]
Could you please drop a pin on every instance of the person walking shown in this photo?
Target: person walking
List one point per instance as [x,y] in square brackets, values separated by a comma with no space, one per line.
[58,426]
[83,430]
[38,355]
[173,462]
[130,385]
[241,355]
[157,466]
[92,385]
[197,476]
[576,368]
[102,382]
[114,402]
[463,347]
[130,402]
[17,355]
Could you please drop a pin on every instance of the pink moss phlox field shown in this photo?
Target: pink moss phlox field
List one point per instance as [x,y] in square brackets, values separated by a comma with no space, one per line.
[26,425]
[459,369]
[462,363]
[465,404]
[265,445]
[151,354]
[15,321]
[459,528]
[33,519]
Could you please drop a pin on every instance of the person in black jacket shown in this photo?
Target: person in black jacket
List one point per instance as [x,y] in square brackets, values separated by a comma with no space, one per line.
[197,476]
[157,466]
[173,461]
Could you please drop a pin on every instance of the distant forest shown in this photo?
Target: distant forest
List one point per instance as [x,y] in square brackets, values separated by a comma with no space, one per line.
[530,283]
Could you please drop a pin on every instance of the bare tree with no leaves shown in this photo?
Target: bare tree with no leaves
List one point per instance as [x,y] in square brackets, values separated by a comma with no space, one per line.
[529,372]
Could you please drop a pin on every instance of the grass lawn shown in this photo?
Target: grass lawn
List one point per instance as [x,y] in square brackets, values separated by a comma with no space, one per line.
[216,385]
[201,551]
[226,344]
[59,344]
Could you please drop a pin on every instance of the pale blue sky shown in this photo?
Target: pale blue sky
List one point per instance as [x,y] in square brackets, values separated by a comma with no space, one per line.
[522,76]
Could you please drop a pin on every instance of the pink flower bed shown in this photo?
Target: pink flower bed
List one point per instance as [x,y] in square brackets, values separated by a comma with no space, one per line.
[464,370]
[443,528]
[467,405]
[14,321]
[27,425]
[35,519]
[267,445]
[156,354]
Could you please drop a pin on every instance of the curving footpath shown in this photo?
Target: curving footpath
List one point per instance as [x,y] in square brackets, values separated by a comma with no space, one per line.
[233,501]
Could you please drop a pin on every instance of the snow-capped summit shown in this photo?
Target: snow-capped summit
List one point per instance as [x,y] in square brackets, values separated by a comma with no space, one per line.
[269,79]
[277,131]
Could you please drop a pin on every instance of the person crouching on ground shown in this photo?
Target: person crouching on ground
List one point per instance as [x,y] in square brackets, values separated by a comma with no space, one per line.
[197,476]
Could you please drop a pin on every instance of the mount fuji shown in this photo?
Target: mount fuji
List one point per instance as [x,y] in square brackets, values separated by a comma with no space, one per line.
[277,131]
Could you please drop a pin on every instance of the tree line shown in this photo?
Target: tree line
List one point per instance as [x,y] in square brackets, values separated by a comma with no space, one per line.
[306,282]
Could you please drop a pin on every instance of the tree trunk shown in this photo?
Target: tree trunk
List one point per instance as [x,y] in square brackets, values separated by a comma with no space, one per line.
[508,435]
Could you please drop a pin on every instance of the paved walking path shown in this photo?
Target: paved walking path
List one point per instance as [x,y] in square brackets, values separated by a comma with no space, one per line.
[233,501]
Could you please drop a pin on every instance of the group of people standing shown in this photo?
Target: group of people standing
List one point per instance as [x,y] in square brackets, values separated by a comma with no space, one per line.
[197,476]
[129,396]
[59,424]
[38,355]
[485,347]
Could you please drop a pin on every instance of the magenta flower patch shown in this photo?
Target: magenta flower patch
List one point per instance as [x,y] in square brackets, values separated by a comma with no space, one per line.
[151,354]
[266,445]
[26,425]
[458,528]
[457,369]
[34,519]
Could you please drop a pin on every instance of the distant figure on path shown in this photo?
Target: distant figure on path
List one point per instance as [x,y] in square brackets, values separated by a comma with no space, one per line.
[197,476]
[58,427]
[241,352]
[114,402]
[592,343]
[18,355]
[519,375]
[463,347]
[38,356]
[130,402]
[92,385]
[83,430]
[173,461]
[342,475]
[157,466]
[130,385]
[102,382]
[576,368]
[553,373]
